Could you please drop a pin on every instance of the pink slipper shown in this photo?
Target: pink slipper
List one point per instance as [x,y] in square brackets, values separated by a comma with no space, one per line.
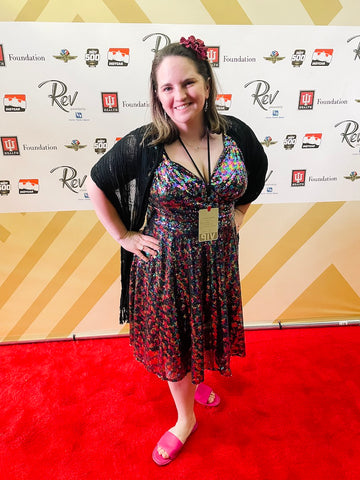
[202,395]
[171,444]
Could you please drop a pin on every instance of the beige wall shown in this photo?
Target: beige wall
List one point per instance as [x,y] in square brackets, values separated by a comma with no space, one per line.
[62,277]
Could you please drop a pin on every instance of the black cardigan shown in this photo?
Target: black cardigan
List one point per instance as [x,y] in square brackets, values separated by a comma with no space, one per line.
[126,171]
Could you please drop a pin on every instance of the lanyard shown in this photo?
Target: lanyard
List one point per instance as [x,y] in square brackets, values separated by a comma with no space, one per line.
[208,185]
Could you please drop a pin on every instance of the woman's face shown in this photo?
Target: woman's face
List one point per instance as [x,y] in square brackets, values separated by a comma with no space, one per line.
[182,91]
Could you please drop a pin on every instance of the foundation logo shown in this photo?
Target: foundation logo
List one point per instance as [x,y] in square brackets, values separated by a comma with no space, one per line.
[69,178]
[350,134]
[4,188]
[289,142]
[268,141]
[298,178]
[352,176]
[2,59]
[298,57]
[161,41]
[28,186]
[65,56]
[274,57]
[306,100]
[92,57]
[118,57]
[14,103]
[223,101]
[110,101]
[100,145]
[75,145]
[213,54]
[312,140]
[59,95]
[356,49]
[262,96]
[322,57]
[10,145]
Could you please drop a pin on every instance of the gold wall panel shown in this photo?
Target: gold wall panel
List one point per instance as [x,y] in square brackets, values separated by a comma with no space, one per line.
[59,271]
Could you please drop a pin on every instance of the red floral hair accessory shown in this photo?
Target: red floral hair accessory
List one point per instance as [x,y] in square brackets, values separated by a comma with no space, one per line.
[195,44]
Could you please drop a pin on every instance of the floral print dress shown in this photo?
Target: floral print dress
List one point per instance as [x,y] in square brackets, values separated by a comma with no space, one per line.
[185,303]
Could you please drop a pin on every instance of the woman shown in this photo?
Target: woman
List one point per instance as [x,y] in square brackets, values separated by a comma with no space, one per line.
[192,174]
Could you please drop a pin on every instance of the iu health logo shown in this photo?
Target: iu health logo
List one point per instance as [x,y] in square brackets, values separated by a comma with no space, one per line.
[306,99]
[10,145]
[110,101]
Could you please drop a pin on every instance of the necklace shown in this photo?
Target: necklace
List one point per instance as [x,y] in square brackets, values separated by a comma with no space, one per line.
[207,184]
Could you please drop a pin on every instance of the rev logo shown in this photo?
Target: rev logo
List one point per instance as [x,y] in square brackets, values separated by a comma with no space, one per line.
[161,41]
[58,94]
[68,178]
[262,97]
[350,134]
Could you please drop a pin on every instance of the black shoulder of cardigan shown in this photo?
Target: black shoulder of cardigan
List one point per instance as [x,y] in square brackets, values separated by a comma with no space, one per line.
[255,159]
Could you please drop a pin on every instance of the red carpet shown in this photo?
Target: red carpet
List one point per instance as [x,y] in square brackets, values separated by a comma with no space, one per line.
[87,410]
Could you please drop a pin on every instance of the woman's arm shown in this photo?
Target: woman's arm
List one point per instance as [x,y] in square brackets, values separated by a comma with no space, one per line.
[134,242]
[240,211]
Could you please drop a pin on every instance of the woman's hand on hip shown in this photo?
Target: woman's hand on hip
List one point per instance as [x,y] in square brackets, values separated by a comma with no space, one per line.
[139,244]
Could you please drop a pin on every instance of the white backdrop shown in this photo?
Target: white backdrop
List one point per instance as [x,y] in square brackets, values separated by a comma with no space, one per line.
[68,91]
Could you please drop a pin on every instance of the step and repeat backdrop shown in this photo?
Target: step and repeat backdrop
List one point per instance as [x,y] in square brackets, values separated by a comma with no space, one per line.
[69,91]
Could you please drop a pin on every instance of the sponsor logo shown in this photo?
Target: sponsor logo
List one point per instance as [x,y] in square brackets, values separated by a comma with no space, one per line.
[92,57]
[298,57]
[161,41]
[262,97]
[289,142]
[356,49]
[26,58]
[306,99]
[223,101]
[312,140]
[298,178]
[14,103]
[110,101]
[213,54]
[2,58]
[100,145]
[239,59]
[59,95]
[4,188]
[65,56]
[10,145]
[332,101]
[352,176]
[40,147]
[268,141]
[69,178]
[274,57]
[322,179]
[322,57]
[350,133]
[270,188]
[118,57]
[28,186]
[75,145]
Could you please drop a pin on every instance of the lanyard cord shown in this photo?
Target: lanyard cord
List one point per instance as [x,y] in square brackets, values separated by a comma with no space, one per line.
[208,185]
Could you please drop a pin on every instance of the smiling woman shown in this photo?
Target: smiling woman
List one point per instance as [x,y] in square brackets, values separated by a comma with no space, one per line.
[194,174]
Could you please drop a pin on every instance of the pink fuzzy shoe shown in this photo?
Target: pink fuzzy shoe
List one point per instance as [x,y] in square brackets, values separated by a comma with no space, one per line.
[202,395]
[172,446]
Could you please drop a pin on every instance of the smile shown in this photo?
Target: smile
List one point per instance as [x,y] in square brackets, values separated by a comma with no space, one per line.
[182,107]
